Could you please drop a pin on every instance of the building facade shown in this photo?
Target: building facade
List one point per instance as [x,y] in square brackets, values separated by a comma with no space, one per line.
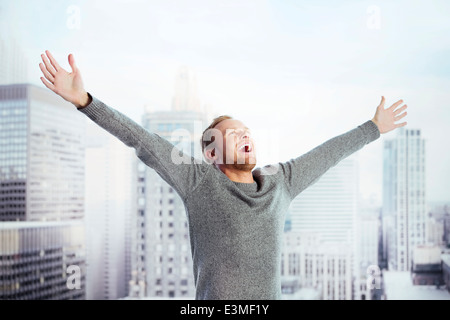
[161,251]
[404,196]
[41,194]
[42,260]
[426,265]
[329,209]
[13,62]
[109,195]
[312,264]
[42,158]
[162,257]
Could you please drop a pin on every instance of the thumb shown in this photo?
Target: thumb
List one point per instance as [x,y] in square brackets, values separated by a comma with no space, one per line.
[382,101]
[72,63]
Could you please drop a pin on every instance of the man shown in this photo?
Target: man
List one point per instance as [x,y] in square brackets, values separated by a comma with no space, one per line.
[236,214]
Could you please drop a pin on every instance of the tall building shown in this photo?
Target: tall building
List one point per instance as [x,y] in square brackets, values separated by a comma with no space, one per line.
[326,268]
[109,194]
[438,224]
[368,241]
[186,96]
[162,260]
[435,230]
[42,260]
[368,229]
[42,158]
[41,184]
[329,208]
[404,196]
[161,256]
[13,62]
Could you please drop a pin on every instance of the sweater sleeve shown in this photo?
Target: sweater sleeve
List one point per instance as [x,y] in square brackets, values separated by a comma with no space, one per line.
[303,171]
[183,174]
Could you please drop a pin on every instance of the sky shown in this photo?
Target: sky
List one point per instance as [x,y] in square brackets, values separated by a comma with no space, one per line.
[296,72]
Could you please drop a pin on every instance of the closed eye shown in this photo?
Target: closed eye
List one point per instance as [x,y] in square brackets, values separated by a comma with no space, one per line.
[247,131]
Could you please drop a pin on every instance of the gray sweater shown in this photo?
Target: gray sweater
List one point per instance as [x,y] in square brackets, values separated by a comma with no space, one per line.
[235,228]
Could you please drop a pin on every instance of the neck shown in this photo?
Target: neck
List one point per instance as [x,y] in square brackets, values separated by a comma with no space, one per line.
[236,175]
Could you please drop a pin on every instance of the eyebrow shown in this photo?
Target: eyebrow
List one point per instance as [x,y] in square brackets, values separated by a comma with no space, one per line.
[248,129]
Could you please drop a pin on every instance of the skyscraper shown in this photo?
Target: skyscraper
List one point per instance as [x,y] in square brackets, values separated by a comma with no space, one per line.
[109,196]
[368,241]
[13,62]
[42,158]
[161,256]
[369,233]
[186,96]
[162,260]
[41,193]
[325,267]
[404,196]
[328,208]
[42,260]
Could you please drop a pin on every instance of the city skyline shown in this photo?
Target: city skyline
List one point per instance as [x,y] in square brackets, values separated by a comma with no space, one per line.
[331,178]
[367,197]
[404,195]
[239,73]
[42,245]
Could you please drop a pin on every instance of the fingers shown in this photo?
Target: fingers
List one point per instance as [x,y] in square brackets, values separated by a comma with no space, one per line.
[72,63]
[53,61]
[395,105]
[49,67]
[401,124]
[399,110]
[48,84]
[46,73]
[400,116]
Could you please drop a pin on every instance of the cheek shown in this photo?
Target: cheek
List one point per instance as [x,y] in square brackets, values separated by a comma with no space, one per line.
[230,146]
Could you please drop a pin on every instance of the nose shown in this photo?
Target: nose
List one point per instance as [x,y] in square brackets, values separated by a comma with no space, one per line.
[245,135]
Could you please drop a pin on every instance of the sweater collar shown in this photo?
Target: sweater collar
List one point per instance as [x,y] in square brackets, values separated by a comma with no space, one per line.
[252,187]
[246,186]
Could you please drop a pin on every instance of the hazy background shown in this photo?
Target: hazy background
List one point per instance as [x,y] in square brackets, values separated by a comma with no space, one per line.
[303,71]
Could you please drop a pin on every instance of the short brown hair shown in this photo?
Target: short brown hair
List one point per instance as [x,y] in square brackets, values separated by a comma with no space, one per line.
[214,123]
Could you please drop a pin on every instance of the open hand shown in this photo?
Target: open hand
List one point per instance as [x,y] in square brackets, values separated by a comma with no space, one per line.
[385,118]
[67,85]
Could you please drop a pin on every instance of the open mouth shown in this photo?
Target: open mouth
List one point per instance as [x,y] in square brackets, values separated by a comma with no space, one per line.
[245,148]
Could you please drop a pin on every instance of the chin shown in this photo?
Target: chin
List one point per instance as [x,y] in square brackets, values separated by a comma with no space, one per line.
[244,166]
[248,162]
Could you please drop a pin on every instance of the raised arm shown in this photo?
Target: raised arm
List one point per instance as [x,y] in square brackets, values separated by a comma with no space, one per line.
[301,172]
[67,85]
[155,151]
[385,118]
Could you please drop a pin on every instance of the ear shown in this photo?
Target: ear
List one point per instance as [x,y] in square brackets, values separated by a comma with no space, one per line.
[210,155]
